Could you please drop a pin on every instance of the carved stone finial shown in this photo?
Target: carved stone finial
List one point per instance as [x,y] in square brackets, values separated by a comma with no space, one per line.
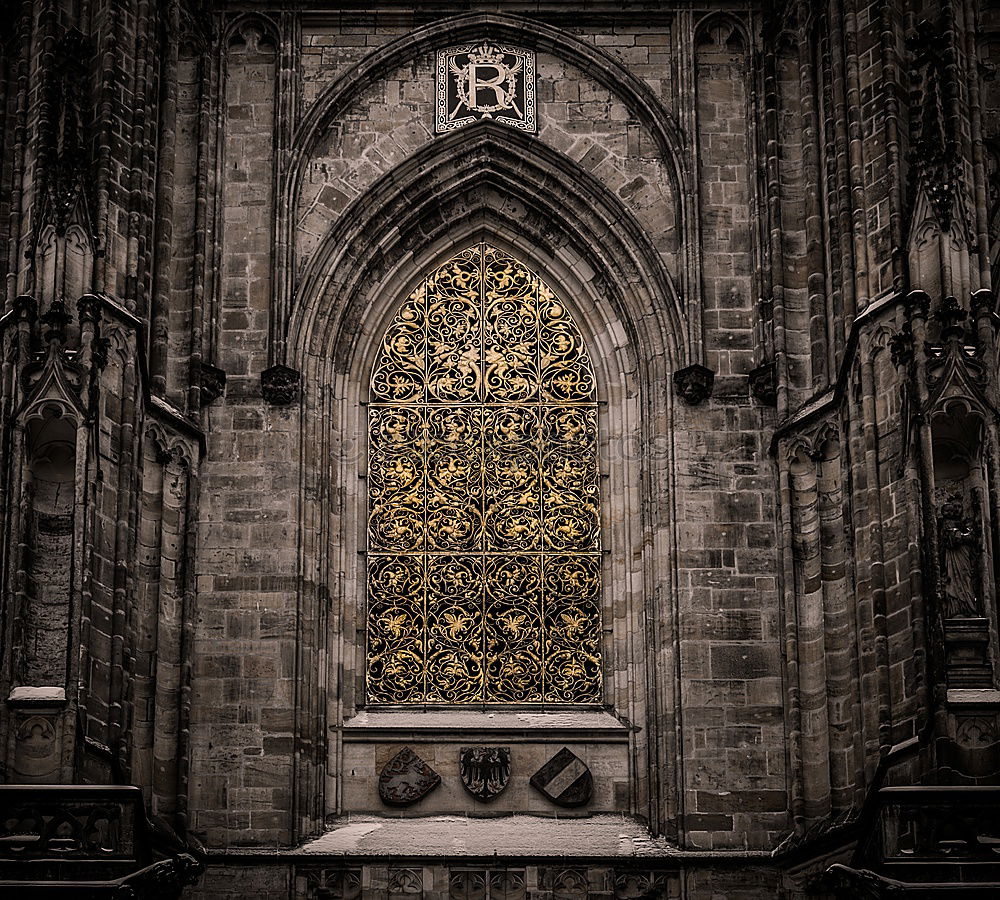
[63,157]
[694,383]
[764,383]
[55,321]
[280,384]
[935,148]
[212,382]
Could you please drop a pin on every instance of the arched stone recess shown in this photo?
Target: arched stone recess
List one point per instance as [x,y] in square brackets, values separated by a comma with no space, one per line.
[246,172]
[487,183]
[726,163]
[46,504]
[329,165]
[577,223]
[167,494]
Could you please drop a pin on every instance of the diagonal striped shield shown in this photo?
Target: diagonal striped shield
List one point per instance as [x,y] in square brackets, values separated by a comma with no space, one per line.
[565,779]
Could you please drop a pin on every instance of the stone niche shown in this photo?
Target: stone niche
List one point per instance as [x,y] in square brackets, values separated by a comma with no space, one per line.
[373,738]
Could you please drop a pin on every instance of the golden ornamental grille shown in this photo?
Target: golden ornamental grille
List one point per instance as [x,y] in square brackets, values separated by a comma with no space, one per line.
[484,498]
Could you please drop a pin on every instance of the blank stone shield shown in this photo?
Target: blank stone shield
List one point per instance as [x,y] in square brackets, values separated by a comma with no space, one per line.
[565,779]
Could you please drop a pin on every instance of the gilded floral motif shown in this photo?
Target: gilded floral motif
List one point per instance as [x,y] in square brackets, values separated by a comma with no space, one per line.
[483,487]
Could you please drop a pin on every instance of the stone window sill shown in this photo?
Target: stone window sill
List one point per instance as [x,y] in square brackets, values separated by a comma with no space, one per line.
[510,725]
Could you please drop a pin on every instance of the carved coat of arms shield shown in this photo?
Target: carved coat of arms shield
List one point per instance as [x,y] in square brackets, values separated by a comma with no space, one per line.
[564,779]
[485,771]
[405,779]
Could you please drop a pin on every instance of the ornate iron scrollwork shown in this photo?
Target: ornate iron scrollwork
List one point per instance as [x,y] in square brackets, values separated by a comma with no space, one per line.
[484,498]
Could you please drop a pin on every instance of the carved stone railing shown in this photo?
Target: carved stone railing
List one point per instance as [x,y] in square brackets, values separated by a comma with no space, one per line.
[940,840]
[87,841]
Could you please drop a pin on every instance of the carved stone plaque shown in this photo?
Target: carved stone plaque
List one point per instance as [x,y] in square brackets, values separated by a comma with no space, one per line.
[485,771]
[565,779]
[484,81]
[405,779]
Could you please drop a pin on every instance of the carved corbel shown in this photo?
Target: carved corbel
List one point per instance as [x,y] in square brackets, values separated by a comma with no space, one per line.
[694,383]
[211,381]
[280,384]
[26,308]
[764,383]
[918,304]
[25,315]
[901,347]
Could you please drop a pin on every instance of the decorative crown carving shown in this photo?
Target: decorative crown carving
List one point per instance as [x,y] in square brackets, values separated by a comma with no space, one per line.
[486,55]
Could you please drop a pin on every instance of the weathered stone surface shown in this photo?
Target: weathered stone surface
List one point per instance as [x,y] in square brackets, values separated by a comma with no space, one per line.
[207,217]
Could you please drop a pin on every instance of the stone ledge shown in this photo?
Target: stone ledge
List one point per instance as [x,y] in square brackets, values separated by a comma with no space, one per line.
[460,836]
[973,697]
[456,724]
[36,696]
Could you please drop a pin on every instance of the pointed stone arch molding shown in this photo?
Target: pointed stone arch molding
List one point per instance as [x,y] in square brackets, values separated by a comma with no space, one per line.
[639,99]
[490,177]
[249,21]
[718,18]
[518,30]
[488,183]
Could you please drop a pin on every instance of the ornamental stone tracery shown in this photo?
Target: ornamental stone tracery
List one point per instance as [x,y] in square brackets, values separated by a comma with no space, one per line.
[483,528]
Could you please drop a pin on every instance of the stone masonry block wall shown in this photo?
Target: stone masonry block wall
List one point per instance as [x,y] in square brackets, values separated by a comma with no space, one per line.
[394,118]
[244,692]
[724,158]
[730,669]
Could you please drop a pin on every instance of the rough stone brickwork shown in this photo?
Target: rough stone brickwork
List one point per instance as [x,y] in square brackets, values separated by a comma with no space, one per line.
[729,628]
[774,224]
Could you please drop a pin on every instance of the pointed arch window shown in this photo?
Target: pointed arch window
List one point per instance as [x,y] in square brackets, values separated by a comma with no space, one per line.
[483,565]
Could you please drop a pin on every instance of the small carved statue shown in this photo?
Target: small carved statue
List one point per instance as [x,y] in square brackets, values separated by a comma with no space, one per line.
[959,545]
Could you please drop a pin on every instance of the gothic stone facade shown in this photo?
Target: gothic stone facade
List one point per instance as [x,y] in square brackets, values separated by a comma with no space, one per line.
[773,225]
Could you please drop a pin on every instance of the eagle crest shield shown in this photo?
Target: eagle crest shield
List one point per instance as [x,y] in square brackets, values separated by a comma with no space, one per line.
[485,771]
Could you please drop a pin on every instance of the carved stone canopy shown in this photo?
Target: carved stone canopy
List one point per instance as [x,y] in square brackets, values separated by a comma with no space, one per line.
[694,383]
